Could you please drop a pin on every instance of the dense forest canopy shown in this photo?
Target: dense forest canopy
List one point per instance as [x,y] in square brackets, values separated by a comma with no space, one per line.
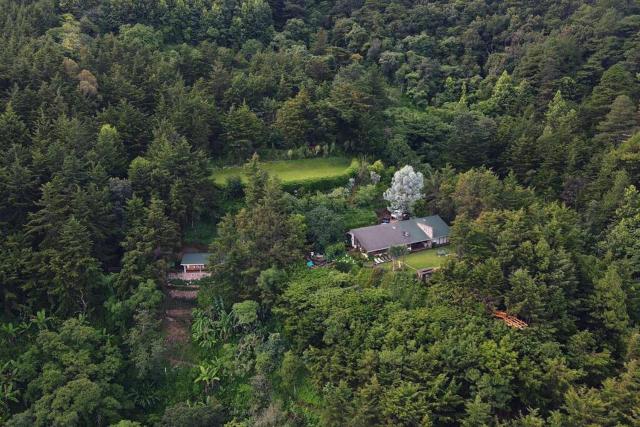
[516,121]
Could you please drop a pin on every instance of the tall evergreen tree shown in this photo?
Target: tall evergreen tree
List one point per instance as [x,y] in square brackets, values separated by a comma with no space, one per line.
[71,275]
[621,122]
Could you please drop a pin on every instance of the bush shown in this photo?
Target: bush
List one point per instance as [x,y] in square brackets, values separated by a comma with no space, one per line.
[345,264]
[335,251]
[367,195]
[234,188]
[355,218]
[246,312]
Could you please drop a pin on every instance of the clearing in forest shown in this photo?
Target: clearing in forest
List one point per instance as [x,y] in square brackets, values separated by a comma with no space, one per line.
[292,170]
[176,322]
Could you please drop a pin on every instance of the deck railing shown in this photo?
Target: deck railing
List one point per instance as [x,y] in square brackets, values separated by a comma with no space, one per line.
[188,276]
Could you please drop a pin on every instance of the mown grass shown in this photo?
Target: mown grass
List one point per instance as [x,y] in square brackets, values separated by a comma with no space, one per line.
[291,170]
[424,259]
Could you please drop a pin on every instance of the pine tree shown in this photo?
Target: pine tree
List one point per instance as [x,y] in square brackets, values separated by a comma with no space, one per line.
[15,271]
[243,132]
[256,182]
[525,299]
[18,189]
[12,129]
[53,205]
[620,123]
[150,236]
[478,413]
[72,273]
[264,227]
[615,81]
[293,120]
[109,151]
[608,304]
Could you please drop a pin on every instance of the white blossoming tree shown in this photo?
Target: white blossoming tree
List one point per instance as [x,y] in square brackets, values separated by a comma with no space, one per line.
[405,191]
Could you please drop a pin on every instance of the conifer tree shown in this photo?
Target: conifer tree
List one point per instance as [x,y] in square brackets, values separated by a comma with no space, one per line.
[620,123]
[609,304]
[243,132]
[293,120]
[109,151]
[12,129]
[73,275]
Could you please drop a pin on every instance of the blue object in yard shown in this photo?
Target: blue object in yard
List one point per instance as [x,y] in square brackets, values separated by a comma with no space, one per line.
[309,263]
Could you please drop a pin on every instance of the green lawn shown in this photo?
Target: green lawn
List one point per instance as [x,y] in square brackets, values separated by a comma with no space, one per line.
[292,170]
[423,259]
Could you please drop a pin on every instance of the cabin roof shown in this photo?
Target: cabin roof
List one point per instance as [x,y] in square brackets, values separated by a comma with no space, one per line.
[383,236]
[195,258]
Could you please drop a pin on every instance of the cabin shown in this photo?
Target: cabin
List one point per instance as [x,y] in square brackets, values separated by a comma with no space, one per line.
[194,262]
[194,267]
[416,234]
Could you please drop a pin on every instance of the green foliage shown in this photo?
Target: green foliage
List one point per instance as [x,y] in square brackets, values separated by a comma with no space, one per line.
[245,312]
[521,116]
[260,236]
[308,175]
[71,375]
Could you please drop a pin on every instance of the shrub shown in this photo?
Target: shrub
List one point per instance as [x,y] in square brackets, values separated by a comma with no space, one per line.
[246,312]
[234,188]
[355,218]
[367,195]
[335,251]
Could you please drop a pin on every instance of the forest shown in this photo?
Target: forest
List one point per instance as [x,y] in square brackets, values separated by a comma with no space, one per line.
[261,132]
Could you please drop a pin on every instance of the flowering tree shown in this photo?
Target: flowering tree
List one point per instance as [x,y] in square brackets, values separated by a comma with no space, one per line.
[406,189]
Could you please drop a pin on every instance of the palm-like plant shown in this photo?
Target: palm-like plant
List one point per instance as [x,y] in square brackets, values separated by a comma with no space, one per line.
[40,320]
[203,330]
[8,392]
[225,324]
[11,331]
[208,374]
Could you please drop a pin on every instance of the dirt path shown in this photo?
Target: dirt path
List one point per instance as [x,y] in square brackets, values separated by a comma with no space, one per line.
[176,322]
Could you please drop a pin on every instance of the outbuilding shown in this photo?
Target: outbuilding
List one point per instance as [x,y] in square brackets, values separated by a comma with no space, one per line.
[194,262]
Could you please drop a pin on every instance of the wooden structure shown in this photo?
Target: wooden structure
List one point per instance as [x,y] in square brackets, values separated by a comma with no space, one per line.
[194,267]
[511,321]
[424,274]
[194,262]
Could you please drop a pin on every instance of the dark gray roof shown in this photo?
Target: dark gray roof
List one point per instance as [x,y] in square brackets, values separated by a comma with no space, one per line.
[197,258]
[382,236]
[440,228]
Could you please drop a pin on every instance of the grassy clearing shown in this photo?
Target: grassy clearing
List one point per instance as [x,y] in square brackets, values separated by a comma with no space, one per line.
[424,259]
[291,170]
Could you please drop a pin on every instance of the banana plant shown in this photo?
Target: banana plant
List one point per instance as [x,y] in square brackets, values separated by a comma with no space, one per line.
[11,331]
[209,372]
[41,320]
[8,392]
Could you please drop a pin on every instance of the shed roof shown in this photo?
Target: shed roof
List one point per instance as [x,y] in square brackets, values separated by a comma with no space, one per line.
[195,258]
[383,236]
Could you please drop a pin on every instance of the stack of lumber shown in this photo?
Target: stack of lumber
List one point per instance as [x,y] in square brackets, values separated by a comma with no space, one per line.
[512,321]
